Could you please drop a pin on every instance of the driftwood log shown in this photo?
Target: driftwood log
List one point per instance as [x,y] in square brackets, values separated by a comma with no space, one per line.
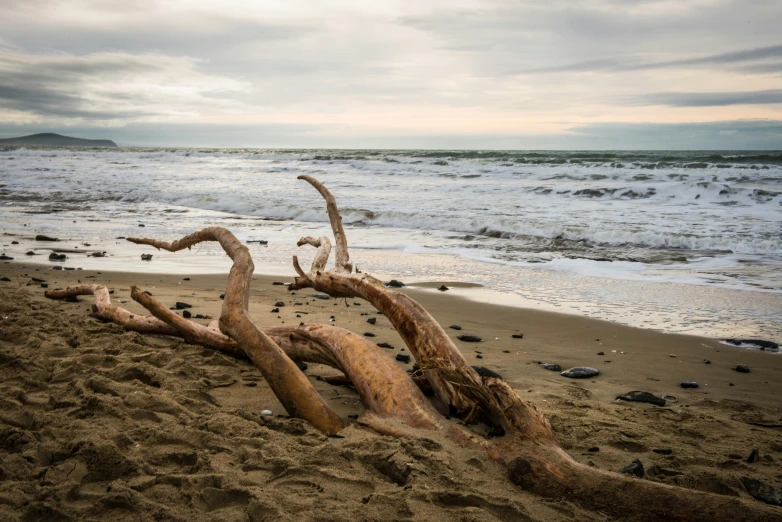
[527,446]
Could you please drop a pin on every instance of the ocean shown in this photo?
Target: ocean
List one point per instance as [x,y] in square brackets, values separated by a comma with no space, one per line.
[677,241]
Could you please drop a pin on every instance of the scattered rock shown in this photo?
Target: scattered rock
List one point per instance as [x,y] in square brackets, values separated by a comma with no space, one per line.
[581,372]
[663,451]
[469,338]
[403,357]
[754,456]
[552,367]
[259,241]
[146,257]
[141,225]
[479,356]
[279,303]
[14,242]
[97,254]
[485,372]
[181,306]
[186,314]
[385,345]
[642,396]
[368,334]
[601,353]
[58,267]
[635,468]
[593,449]
[278,283]
[518,336]
[455,327]
[30,253]
[771,345]
[395,284]
[275,311]
[372,320]
[222,296]
[689,384]
[41,237]
[186,279]
[4,257]
[442,288]
[706,361]
[54,256]
[7,280]
[742,369]
[762,491]
[267,413]
[321,296]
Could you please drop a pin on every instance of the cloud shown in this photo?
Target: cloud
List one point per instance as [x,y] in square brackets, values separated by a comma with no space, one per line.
[706,99]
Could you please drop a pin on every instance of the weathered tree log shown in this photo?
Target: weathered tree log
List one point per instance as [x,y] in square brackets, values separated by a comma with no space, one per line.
[288,383]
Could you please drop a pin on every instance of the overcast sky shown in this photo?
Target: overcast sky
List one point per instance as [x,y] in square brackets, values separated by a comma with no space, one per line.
[603,74]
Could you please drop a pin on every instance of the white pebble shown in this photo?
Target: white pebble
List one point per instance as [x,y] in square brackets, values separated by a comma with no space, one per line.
[266,412]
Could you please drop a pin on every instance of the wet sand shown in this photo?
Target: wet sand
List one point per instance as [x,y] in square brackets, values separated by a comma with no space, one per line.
[99,423]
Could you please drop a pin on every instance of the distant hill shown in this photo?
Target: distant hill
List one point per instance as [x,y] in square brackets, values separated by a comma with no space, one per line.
[49,139]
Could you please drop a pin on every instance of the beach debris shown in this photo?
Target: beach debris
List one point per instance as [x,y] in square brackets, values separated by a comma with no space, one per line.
[517,336]
[372,320]
[635,468]
[641,396]
[762,491]
[266,413]
[403,357]
[385,345]
[551,367]
[485,372]
[394,283]
[469,338]
[97,254]
[146,257]
[581,372]
[754,456]
[663,451]
[182,305]
[455,327]
[54,256]
[442,288]
[186,314]
[760,343]
[742,368]
[4,257]
[279,303]
[689,384]
[58,267]
[324,297]
[259,241]
[41,237]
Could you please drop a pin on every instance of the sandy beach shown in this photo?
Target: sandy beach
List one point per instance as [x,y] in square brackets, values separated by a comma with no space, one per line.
[101,423]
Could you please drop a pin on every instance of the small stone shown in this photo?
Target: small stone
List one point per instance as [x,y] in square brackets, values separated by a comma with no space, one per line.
[663,451]
[506,351]
[146,257]
[30,253]
[54,256]
[479,356]
[324,297]
[403,357]
[442,288]
[385,345]
[706,361]
[278,283]
[742,369]
[41,237]
[518,336]
[455,327]
[372,320]
[14,242]
[200,316]
[469,338]
[601,353]
[181,306]
[142,225]
[251,384]
[552,367]
[642,396]
[4,257]
[395,284]
[222,296]
[593,449]
[580,372]
[7,280]
[279,303]
[275,311]
[635,468]
[754,456]
[267,413]
[186,314]
[731,384]
[689,384]
[368,334]
[186,279]
[762,491]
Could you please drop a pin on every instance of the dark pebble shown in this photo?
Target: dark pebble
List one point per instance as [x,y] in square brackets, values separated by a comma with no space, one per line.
[731,384]
[186,279]
[601,353]
[14,242]
[593,449]
[742,369]
[506,351]
[479,356]
[635,468]
[372,320]
[321,296]
[142,225]
[581,372]
[4,257]
[706,361]
[642,396]
[41,237]
[186,314]
[275,310]
[146,257]
[259,241]
[762,491]
[279,303]
[689,384]
[54,256]
[403,357]
[200,316]
[754,456]
[222,296]
[552,367]
[278,283]
[455,327]
[7,280]
[518,336]
[385,345]
[30,253]
[442,288]
[757,342]
[368,334]
[469,338]
[663,451]
[181,306]
[97,254]
[395,284]
[353,416]
[58,267]
[251,384]
[485,372]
